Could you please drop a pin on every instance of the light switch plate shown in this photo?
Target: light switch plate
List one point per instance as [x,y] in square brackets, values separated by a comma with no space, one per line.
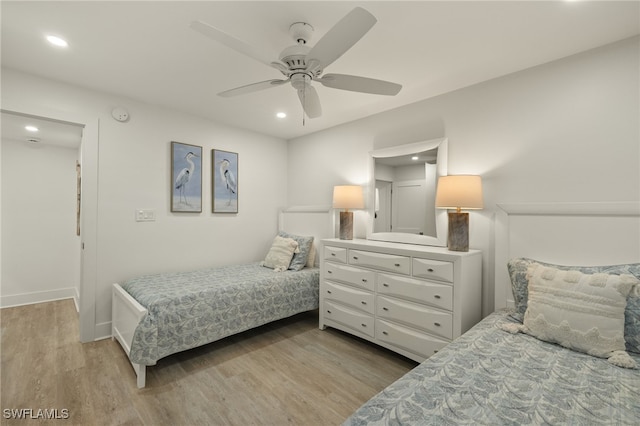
[145,215]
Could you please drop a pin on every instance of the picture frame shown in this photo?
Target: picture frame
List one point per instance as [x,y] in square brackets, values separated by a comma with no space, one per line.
[186,178]
[224,185]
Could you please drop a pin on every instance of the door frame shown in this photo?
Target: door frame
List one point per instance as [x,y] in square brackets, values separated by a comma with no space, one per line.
[89,208]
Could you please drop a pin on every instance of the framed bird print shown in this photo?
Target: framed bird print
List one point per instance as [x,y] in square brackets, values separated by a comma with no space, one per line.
[224,173]
[186,178]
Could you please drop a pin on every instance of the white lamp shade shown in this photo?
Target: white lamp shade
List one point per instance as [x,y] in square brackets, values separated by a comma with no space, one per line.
[459,192]
[348,197]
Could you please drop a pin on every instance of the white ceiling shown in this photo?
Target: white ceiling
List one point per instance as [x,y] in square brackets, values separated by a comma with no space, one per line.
[50,132]
[146,51]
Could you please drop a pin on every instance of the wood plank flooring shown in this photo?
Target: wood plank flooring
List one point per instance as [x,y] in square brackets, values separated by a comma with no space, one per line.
[285,373]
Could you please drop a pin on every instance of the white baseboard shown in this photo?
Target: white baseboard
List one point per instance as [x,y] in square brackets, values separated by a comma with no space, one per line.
[7,301]
[103,330]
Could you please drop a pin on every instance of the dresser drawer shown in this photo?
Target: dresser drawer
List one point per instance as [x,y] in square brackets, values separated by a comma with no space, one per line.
[349,317]
[336,254]
[440,295]
[358,299]
[414,315]
[382,261]
[408,339]
[354,276]
[433,269]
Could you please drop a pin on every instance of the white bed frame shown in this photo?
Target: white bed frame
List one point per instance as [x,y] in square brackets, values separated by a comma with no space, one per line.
[581,234]
[126,312]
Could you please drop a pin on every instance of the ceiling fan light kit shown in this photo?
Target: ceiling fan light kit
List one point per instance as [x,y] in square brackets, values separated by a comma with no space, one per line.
[302,65]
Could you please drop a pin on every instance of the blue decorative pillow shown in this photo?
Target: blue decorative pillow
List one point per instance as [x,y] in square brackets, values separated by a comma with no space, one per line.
[519,283]
[299,260]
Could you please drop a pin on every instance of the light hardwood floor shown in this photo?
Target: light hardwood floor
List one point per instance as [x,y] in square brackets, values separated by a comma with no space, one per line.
[287,372]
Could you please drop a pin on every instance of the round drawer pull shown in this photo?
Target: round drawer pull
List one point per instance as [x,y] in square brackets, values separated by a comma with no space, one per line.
[435,351]
[329,272]
[363,324]
[333,254]
[363,302]
[384,308]
[430,270]
[385,285]
[437,296]
[329,291]
[328,311]
[364,280]
[355,257]
[437,324]
[385,333]
[397,264]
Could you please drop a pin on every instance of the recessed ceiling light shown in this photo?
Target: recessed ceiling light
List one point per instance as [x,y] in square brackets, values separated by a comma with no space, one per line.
[57,41]
[281,114]
[414,158]
[31,128]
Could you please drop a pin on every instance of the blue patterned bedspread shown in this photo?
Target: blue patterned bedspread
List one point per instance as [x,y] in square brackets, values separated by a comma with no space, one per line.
[190,309]
[491,377]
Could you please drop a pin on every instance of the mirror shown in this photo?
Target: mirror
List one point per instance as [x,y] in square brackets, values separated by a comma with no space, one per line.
[402,192]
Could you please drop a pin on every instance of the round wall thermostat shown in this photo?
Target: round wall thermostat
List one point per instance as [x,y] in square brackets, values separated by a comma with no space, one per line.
[120,114]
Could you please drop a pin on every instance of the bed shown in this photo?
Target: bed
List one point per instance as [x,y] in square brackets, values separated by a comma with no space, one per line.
[161,314]
[501,373]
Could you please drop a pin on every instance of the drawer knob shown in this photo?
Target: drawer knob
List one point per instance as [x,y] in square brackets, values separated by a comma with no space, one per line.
[437,324]
[430,270]
[397,264]
[329,272]
[355,257]
[328,311]
[435,351]
[385,285]
[437,296]
[363,302]
[364,280]
[385,333]
[333,254]
[384,308]
[363,324]
[329,291]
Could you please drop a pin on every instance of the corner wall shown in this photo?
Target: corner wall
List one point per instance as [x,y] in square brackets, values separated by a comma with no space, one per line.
[564,131]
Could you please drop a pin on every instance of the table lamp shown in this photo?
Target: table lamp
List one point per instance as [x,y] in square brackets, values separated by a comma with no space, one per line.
[347,197]
[459,192]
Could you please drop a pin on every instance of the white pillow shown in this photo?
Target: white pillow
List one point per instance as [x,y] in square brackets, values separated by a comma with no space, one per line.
[279,256]
[583,312]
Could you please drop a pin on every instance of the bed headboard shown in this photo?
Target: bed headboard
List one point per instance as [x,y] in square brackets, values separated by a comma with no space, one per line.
[583,234]
[318,221]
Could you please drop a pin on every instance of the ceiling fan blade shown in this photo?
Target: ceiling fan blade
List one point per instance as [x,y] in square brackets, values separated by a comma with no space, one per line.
[249,88]
[236,44]
[310,101]
[360,84]
[342,36]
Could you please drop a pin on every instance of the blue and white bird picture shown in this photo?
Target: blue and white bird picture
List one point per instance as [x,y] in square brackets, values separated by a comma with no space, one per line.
[186,178]
[224,170]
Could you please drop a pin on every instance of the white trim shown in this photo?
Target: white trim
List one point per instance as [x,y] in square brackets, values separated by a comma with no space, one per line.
[8,301]
[614,208]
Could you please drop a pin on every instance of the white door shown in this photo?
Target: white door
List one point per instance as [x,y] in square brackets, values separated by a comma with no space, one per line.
[382,218]
[409,206]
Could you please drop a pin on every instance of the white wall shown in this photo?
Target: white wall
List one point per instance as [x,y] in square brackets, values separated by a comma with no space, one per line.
[41,251]
[564,131]
[134,172]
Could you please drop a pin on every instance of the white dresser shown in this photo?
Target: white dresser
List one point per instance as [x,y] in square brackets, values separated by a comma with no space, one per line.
[408,298]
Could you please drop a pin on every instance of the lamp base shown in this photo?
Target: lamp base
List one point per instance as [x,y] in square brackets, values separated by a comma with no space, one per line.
[458,238]
[346,225]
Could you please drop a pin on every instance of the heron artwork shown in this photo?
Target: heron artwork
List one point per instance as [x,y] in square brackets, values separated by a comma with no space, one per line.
[184,177]
[228,178]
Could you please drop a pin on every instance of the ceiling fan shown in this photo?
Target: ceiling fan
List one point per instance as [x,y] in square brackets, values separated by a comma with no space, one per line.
[301,64]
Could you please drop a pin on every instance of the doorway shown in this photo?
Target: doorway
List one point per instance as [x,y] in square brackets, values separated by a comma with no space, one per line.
[42,255]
